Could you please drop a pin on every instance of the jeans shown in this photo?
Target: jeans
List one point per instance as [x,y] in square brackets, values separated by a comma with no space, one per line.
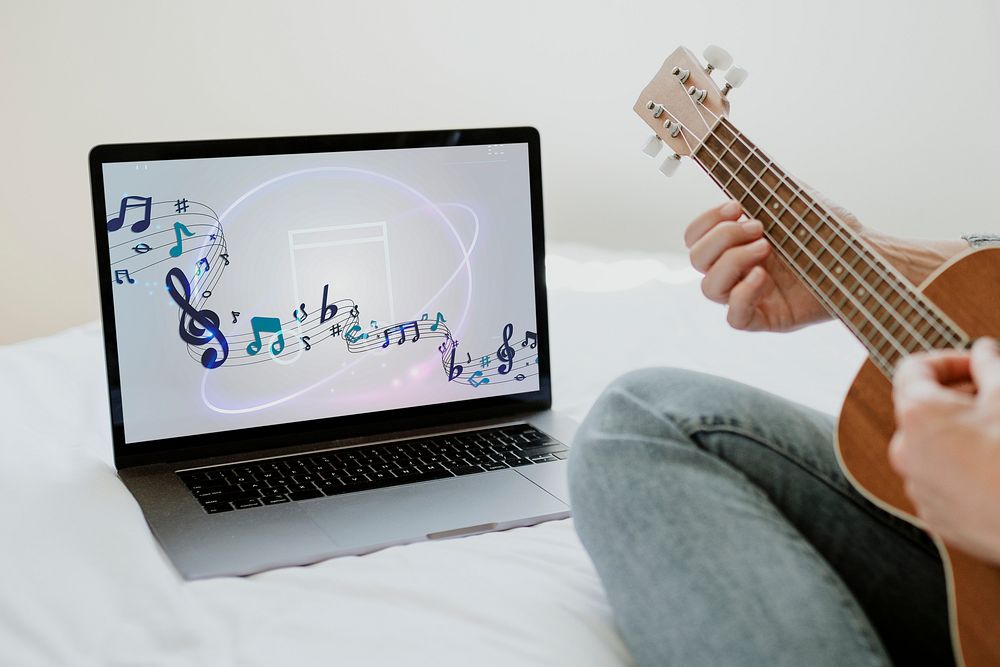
[725,533]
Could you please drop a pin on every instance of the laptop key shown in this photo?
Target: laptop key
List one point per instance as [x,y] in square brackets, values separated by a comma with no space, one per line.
[219,507]
[305,495]
[466,470]
[247,503]
[489,467]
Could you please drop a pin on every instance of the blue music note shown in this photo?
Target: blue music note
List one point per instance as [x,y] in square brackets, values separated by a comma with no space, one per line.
[477,375]
[142,224]
[266,325]
[196,327]
[178,247]
[402,332]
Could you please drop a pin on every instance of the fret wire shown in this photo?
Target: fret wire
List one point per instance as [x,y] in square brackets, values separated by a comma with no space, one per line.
[805,273]
[919,307]
[805,276]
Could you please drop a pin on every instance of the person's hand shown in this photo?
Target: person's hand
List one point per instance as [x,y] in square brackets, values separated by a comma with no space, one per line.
[743,271]
[947,444]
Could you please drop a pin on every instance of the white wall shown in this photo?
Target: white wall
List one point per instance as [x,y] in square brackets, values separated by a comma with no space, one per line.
[886,106]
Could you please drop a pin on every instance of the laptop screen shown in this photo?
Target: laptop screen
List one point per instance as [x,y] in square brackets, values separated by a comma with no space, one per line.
[257,290]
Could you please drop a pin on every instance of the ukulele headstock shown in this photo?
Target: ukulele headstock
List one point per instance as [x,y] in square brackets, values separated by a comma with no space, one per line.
[682,103]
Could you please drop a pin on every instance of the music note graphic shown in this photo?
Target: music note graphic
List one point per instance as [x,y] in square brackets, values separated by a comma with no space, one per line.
[225,258]
[350,336]
[454,370]
[300,318]
[505,352]
[178,247]
[519,377]
[437,322]
[141,248]
[266,325]
[305,341]
[142,224]
[532,336]
[203,260]
[123,273]
[236,314]
[478,374]
[402,332]
[196,327]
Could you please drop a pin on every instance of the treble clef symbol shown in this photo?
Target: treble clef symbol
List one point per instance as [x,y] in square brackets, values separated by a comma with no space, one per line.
[196,327]
[505,352]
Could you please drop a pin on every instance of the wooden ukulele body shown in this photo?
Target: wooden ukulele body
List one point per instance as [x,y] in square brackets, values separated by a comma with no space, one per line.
[967,289]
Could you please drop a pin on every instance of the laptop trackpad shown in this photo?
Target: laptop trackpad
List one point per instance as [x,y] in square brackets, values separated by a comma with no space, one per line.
[441,508]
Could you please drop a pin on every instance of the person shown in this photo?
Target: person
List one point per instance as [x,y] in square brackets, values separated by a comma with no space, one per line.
[716,514]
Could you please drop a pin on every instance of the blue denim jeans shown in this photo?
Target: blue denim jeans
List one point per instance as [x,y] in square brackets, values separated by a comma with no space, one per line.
[725,533]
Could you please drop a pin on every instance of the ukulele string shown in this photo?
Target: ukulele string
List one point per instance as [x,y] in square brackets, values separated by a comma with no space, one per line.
[929,313]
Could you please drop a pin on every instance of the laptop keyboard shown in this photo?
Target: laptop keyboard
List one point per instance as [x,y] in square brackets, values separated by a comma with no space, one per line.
[334,472]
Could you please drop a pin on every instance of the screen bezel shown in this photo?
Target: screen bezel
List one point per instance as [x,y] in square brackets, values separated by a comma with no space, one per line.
[331,428]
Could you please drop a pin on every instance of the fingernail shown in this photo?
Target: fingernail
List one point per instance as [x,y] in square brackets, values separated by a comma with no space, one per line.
[753,227]
[760,244]
[730,208]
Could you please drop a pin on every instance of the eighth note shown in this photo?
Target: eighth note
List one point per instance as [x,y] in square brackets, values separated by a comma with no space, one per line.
[305,341]
[236,314]
[225,258]
[178,247]
[437,322]
[266,325]
[142,224]
[123,273]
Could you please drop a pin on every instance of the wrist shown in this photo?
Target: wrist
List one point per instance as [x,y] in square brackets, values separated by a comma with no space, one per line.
[916,259]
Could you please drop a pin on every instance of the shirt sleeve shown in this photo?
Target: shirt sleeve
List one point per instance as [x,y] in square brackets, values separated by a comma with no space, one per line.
[982,240]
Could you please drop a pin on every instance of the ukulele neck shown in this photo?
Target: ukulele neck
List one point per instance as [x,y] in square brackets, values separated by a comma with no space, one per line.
[854,283]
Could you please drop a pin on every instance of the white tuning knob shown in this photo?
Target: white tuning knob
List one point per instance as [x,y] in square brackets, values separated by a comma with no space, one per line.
[734,78]
[670,165]
[652,146]
[717,58]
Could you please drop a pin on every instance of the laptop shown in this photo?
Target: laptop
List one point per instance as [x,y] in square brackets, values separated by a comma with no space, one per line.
[324,346]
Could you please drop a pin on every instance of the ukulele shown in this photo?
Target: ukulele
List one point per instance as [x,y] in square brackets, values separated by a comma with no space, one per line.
[889,315]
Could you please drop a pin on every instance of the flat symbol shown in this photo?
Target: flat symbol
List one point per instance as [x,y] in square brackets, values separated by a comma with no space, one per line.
[182,205]
[141,249]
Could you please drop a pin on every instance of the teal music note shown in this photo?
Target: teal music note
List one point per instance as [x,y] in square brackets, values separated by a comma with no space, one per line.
[266,325]
[178,247]
[437,322]
[478,378]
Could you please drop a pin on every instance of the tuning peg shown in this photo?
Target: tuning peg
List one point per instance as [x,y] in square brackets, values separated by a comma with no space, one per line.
[670,165]
[652,146]
[734,79]
[673,127]
[681,74]
[717,58]
[697,94]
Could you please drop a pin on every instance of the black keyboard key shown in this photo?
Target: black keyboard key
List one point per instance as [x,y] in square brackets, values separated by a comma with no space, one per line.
[545,458]
[246,504]
[305,495]
[216,508]
[274,500]
[544,449]
[519,462]
[466,470]
[489,467]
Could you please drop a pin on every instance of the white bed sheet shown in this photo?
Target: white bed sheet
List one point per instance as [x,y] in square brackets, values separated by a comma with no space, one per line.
[85,583]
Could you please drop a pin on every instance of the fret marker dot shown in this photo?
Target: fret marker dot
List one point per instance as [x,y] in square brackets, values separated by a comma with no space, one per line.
[775,206]
[802,232]
[861,290]
[838,269]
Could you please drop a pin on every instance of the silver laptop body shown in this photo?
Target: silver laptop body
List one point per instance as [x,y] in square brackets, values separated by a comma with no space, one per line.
[324,346]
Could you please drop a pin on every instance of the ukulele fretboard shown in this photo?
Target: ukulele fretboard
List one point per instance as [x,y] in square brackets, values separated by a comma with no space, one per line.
[883,309]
